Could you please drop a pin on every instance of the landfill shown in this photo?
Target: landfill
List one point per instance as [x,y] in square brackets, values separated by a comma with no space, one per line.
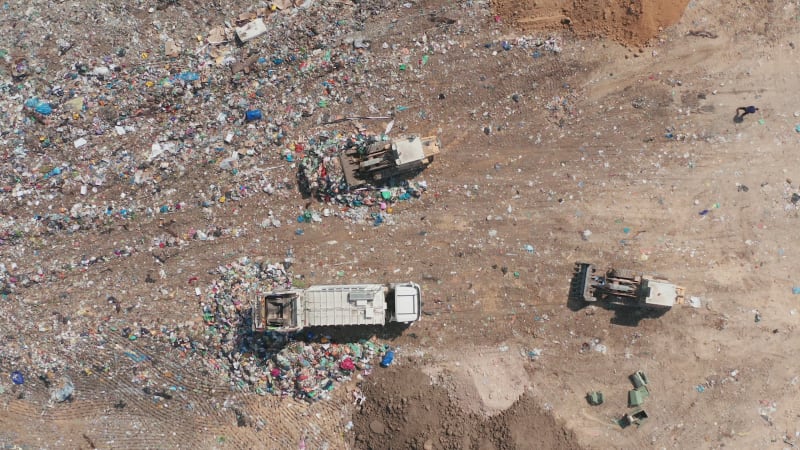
[94,138]
[84,126]
[163,161]
[96,132]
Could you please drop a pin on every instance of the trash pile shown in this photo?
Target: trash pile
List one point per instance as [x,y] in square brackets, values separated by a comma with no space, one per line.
[136,119]
[139,117]
[176,109]
[309,371]
[534,44]
[271,364]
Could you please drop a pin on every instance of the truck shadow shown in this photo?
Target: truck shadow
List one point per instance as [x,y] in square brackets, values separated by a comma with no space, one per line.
[353,333]
[268,343]
[623,316]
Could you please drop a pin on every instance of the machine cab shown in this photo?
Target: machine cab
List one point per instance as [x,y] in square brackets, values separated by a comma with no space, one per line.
[407,303]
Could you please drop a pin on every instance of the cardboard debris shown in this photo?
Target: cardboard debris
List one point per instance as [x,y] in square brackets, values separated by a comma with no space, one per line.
[219,54]
[282,4]
[246,17]
[217,36]
[171,49]
[73,105]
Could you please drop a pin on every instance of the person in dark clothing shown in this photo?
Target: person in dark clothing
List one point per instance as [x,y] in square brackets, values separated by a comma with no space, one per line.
[745,110]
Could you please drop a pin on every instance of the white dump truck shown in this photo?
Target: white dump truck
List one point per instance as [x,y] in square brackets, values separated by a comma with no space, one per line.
[290,310]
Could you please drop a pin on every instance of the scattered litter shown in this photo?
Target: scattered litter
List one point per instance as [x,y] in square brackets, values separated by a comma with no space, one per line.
[767,409]
[600,348]
[595,346]
[358,397]
[17,377]
[695,302]
[64,391]
[251,30]
[136,357]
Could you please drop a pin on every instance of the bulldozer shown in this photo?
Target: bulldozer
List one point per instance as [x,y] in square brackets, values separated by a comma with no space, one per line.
[626,288]
[381,161]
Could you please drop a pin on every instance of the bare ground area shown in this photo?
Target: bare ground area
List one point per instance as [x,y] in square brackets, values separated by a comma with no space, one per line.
[537,148]
[410,414]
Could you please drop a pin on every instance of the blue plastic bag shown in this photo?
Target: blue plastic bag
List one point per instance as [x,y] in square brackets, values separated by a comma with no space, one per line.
[189,76]
[388,359]
[17,378]
[44,108]
[39,106]
[253,114]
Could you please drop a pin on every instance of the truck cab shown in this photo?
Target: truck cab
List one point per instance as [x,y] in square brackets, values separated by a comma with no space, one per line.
[407,303]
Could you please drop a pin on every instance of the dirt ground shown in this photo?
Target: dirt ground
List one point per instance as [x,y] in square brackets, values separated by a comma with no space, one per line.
[623,156]
[410,414]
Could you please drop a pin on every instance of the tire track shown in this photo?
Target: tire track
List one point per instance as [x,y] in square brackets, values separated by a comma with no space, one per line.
[200,411]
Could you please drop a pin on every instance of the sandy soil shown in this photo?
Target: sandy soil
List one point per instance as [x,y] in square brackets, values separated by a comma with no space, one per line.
[629,144]
[633,23]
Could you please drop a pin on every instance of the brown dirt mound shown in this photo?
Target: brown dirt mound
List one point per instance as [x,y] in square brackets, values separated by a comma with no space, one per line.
[630,22]
[403,410]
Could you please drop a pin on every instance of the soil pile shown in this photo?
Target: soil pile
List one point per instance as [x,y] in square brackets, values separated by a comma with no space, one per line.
[629,22]
[404,410]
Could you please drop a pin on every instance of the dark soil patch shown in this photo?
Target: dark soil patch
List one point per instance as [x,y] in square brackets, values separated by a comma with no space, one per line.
[403,410]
